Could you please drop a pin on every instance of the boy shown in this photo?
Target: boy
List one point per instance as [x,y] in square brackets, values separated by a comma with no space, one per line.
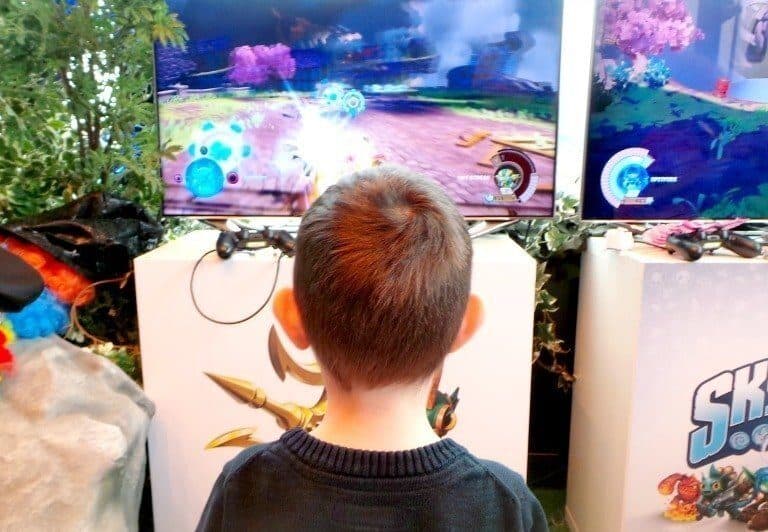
[382,294]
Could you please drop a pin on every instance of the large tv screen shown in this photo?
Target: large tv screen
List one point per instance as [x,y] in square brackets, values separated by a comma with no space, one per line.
[678,126]
[272,101]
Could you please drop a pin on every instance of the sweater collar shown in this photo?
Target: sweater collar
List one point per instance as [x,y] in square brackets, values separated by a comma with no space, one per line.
[370,464]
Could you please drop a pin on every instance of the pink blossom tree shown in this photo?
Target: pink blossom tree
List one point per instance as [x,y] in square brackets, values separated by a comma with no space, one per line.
[642,28]
[255,65]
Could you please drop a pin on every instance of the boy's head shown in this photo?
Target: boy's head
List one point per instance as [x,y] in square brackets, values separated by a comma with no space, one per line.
[381,280]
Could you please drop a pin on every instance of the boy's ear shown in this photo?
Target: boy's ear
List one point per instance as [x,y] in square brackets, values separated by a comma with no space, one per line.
[473,319]
[287,313]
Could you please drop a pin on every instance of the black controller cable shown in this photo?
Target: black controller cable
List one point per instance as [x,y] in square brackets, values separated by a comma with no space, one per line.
[250,316]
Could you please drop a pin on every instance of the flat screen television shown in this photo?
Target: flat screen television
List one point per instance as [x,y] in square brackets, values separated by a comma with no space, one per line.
[678,126]
[272,101]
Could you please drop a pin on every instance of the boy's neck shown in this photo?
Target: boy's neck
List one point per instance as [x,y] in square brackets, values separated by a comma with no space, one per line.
[392,418]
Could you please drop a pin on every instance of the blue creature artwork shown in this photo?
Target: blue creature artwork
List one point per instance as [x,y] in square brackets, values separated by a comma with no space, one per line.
[722,493]
[217,153]
[657,73]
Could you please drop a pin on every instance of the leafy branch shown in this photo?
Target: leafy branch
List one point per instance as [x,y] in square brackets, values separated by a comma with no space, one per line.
[76,110]
[547,241]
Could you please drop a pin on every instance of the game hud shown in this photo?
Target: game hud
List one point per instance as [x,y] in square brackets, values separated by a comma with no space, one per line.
[678,125]
[271,102]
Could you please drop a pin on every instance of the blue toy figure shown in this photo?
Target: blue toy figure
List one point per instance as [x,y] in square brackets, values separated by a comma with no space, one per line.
[43,317]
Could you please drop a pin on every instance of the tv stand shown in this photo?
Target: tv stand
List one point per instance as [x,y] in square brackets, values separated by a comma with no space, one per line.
[492,371]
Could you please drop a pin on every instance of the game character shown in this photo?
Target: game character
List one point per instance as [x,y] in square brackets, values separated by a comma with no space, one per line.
[723,492]
[756,513]
[683,506]
[217,152]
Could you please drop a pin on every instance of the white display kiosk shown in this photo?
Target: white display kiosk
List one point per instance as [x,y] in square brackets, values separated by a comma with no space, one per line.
[493,371]
[671,381]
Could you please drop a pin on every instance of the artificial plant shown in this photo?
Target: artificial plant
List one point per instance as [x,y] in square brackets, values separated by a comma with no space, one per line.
[76,107]
[77,115]
[546,241]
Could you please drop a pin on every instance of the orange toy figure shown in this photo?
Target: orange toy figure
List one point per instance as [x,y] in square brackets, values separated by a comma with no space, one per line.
[683,506]
[62,280]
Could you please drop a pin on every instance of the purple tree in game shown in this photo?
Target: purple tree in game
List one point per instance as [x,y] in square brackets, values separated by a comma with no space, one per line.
[645,28]
[255,65]
[172,65]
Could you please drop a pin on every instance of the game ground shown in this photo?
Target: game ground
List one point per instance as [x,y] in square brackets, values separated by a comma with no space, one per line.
[435,140]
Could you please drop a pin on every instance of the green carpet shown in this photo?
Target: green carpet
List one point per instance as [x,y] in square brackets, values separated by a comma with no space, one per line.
[553,502]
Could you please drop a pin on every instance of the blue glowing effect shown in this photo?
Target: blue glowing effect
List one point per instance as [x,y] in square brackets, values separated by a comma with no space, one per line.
[208,126]
[204,178]
[220,151]
[237,128]
[353,103]
[333,94]
[246,150]
[633,179]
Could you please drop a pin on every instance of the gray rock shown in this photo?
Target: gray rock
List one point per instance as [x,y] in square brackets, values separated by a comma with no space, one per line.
[73,429]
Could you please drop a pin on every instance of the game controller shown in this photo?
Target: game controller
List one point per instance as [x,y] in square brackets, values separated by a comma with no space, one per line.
[231,241]
[685,246]
[741,245]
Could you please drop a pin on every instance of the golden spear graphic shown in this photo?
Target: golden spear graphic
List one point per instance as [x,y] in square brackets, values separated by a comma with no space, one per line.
[287,415]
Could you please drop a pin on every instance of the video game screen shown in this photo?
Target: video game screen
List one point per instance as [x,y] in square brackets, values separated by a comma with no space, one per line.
[678,125]
[272,101]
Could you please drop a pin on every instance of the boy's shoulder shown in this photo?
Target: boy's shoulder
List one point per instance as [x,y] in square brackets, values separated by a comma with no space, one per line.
[514,485]
[505,476]
[249,457]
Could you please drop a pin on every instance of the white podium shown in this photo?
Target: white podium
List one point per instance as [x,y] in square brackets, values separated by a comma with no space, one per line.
[178,346]
[671,369]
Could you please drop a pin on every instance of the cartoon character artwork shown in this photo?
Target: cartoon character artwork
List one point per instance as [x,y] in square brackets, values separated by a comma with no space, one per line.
[441,408]
[721,492]
[217,152]
[686,490]
[756,513]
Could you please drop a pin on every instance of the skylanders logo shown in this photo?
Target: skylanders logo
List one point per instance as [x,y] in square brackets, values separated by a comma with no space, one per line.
[731,414]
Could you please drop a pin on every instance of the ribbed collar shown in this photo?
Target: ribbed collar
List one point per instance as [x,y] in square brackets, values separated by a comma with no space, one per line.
[371,464]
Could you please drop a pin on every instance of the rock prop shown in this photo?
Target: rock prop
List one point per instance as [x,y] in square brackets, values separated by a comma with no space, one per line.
[72,441]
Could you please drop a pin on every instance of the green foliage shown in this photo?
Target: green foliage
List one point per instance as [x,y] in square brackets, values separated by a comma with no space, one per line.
[730,205]
[77,116]
[75,83]
[639,107]
[547,241]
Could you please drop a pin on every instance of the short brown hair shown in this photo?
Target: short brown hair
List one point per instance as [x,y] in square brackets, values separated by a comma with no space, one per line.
[382,277]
